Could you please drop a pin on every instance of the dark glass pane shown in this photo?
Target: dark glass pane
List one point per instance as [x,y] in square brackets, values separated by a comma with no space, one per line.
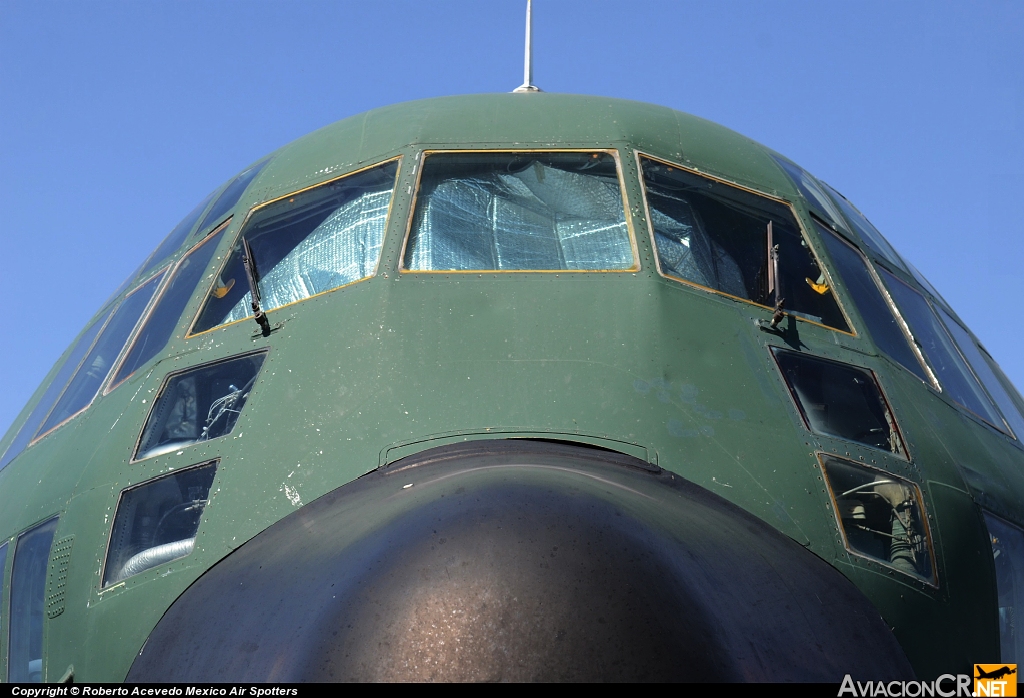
[716,235]
[519,211]
[231,194]
[96,367]
[882,325]
[868,233]
[312,242]
[161,323]
[882,516]
[1008,554]
[53,391]
[954,376]
[816,198]
[841,400]
[177,236]
[3,570]
[984,372]
[157,521]
[28,592]
[198,404]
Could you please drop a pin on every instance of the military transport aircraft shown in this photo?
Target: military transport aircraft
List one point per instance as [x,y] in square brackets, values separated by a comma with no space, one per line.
[516,386]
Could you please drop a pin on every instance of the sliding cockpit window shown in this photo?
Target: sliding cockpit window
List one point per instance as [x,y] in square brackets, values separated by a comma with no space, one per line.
[525,211]
[305,244]
[727,239]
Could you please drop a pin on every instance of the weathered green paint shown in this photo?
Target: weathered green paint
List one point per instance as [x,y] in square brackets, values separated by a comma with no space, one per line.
[402,362]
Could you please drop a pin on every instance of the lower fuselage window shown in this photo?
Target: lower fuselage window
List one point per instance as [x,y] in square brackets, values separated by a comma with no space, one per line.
[28,592]
[156,522]
[305,244]
[736,242]
[529,211]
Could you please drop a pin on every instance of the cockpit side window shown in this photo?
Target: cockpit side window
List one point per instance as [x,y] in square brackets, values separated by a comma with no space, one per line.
[93,372]
[875,241]
[54,389]
[28,604]
[526,211]
[727,239]
[305,244]
[161,323]
[231,194]
[952,371]
[177,237]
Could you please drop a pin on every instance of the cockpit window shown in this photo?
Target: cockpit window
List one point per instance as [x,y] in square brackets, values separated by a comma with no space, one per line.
[53,390]
[231,194]
[882,323]
[305,244]
[868,233]
[532,211]
[952,371]
[177,237]
[166,315]
[984,372]
[28,604]
[727,239]
[90,376]
[816,198]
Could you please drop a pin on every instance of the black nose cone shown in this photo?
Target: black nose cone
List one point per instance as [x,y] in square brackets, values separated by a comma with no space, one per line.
[511,561]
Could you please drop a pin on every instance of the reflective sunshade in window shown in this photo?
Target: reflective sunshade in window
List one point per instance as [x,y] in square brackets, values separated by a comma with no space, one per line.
[881,323]
[1008,554]
[305,244]
[984,372]
[156,522]
[868,233]
[177,236]
[231,194]
[53,390]
[954,376]
[519,211]
[166,315]
[716,235]
[841,400]
[881,515]
[198,404]
[28,592]
[817,199]
[97,365]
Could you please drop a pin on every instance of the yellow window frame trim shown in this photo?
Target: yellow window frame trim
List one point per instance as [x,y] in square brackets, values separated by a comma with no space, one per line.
[788,204]
[376,270]
[614,152]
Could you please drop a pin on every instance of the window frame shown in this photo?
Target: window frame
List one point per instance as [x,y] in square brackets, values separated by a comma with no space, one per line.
[796,218]
[190,333]
[820,456]
[420,163]
[103,390]
[775,350]
[157,297]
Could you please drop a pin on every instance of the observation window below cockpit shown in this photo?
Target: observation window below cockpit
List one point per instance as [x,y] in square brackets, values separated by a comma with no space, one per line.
[727,239]
[841,400]
[305,244]
[157,521]
[28,603]
[1008,555]
[198,404]
[526,211]
[881,515]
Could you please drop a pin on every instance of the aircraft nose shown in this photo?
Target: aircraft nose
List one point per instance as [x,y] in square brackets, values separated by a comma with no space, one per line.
[517,562]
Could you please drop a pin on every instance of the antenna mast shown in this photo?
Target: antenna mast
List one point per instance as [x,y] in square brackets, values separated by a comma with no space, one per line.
[528,85]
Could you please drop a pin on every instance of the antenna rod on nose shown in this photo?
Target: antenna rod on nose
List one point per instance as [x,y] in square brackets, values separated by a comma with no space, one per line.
[528,85]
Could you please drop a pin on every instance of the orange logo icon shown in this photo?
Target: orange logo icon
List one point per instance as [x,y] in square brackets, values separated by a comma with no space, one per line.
[995,679]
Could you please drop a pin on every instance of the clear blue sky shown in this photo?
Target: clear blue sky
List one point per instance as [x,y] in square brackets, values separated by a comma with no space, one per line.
[116,118]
